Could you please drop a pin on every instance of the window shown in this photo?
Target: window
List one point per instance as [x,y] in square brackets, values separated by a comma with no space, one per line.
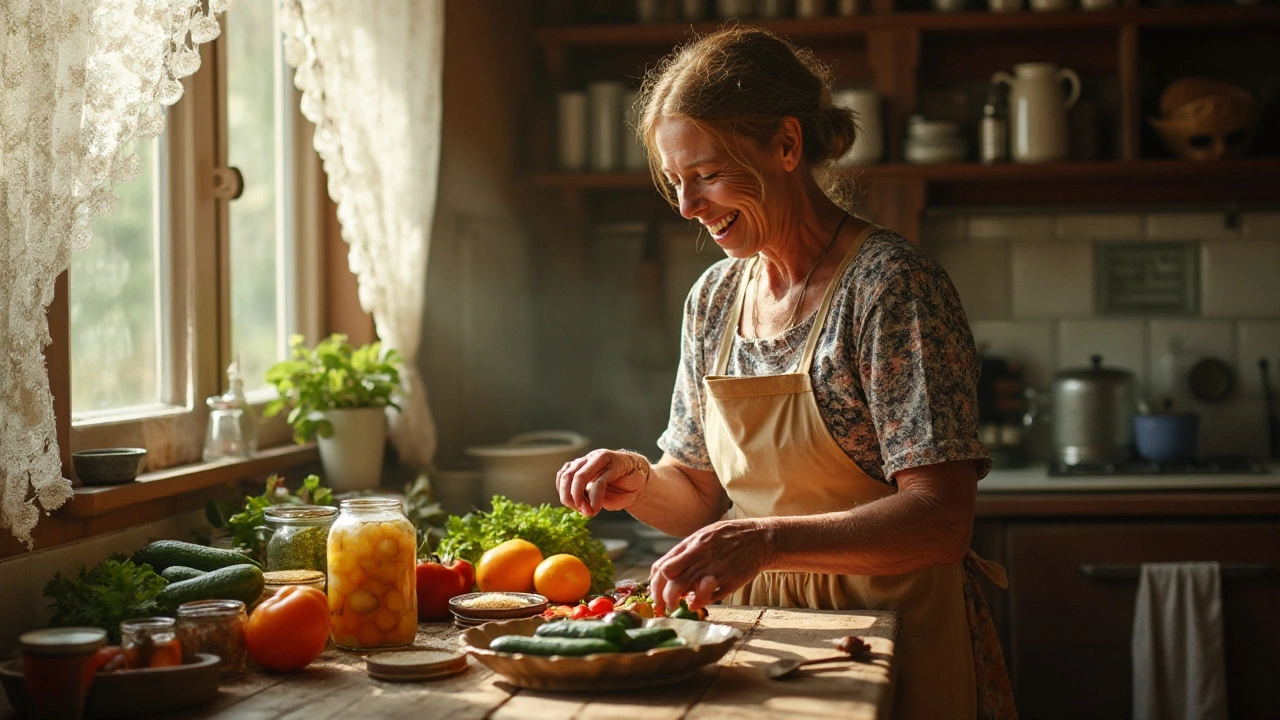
[182,280]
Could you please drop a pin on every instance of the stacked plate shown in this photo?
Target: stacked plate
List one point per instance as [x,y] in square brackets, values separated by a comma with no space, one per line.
[933,141]
[475,609]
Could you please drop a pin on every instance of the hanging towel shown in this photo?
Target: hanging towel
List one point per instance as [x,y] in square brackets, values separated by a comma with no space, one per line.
[1179,667]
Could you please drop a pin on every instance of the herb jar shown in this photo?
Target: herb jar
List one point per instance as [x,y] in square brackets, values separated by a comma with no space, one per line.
[57,670]
[215,627]
[150,642]
[299,534]
[373,599]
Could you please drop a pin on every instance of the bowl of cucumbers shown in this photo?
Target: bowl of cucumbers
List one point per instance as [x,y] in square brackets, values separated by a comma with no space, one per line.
[614,653]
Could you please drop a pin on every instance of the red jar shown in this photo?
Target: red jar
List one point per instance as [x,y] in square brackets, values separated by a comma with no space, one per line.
[57,669]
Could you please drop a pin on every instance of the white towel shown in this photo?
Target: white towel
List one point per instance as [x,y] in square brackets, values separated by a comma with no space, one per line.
[1179,667]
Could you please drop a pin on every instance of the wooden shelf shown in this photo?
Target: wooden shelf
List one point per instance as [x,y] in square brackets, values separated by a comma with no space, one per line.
[836,27]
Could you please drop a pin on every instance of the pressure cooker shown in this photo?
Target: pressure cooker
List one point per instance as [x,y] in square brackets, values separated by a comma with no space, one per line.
[1093,414]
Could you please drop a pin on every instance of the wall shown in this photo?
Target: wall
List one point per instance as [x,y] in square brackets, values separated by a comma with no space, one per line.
[1027,284]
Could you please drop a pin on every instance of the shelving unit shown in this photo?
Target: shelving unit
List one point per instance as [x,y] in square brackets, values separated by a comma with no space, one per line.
[1127,54]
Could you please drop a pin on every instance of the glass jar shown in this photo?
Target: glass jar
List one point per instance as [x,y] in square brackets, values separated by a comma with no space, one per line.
[373,599]
[150,643]
[57,670]
[277,580]
[299,536]
[215,627]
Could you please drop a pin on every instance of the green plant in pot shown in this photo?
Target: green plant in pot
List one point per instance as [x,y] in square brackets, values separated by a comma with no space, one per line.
[339,395]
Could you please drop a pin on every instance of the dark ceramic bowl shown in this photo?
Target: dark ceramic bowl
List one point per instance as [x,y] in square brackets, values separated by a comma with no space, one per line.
[108,466]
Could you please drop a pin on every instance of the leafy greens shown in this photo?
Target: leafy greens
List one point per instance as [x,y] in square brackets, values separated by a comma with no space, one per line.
[116,589]
[553,530]
[244,525]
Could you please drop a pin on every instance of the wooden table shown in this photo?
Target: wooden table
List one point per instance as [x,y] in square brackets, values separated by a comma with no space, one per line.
[336,685]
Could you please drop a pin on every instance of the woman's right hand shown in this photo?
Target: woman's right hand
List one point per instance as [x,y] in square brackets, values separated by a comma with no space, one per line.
[609,479]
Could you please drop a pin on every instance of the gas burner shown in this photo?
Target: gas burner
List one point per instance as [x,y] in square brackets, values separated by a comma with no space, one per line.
[1207,466]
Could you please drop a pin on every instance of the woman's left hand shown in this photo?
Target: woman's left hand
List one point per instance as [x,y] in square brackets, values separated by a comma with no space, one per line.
[711,563]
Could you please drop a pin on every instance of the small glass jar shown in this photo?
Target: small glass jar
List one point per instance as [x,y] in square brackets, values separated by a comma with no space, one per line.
[57,670]
[215,627]
[373,599]
[150,643]
[299,536]
[277,580]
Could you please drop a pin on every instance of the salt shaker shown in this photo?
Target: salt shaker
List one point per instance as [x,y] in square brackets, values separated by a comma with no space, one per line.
[994,140]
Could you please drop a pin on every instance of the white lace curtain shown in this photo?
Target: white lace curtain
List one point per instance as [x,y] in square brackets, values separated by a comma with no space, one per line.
[80,80]
[371,78]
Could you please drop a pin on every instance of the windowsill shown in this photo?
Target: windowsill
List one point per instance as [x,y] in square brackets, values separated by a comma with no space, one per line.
[92,501]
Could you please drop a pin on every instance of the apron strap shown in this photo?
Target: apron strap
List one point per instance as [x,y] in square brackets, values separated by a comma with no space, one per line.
[994,571]
[811,344]
[734,317]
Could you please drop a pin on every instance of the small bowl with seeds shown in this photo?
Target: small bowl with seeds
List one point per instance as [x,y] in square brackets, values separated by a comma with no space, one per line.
[485,606]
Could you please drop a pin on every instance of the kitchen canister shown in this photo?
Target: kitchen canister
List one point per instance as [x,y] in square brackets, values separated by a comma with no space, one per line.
[1093,414]
[1038,110]
[868,146]
[604,100]
[571,120]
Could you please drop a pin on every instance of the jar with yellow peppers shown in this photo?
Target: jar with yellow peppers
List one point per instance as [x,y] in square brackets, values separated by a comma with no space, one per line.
[373,599]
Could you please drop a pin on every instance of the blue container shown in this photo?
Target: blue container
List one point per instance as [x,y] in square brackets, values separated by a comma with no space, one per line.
[1166,437]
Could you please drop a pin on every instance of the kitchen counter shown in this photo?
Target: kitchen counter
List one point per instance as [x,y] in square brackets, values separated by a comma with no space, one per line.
[1036,478]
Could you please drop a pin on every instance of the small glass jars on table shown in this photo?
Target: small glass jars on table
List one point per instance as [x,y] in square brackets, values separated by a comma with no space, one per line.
[215,627]
[373,599]
[299,535]
[150,643]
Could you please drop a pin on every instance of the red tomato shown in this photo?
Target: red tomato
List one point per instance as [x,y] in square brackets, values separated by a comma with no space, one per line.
[580,612]
[289,629]
[437,584]
[601,606]
[466,571]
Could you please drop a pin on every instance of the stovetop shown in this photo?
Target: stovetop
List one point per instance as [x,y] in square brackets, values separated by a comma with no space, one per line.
[1204,466]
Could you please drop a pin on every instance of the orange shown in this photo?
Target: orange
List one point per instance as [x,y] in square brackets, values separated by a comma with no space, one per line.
[508,567]
[563,579]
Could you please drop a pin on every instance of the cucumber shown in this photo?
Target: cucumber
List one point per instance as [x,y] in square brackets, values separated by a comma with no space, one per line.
[672,643]
[590,629]
[641,639]
[238,582]
[178,573]
[162,554]
[542,645]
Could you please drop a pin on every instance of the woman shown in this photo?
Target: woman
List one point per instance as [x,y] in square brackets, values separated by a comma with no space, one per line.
[822,447]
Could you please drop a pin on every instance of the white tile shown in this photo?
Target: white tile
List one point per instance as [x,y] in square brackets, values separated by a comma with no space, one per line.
[1260,225]
[1095,226]
[1052,279]
[1240,279]
[1175,347]
[1189,226]
[1029,343]
[980,272]
[1258,339]
[1121,343]
[1011,227]
[941,229]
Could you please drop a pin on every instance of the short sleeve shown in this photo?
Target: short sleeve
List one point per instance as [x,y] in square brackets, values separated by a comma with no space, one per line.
[683,439]
[919,369]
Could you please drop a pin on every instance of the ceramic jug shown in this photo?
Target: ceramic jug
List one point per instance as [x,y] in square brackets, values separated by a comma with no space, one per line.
[1038,110]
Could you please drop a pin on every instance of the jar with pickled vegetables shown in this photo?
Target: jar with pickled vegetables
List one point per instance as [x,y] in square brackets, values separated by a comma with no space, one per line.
[373,599]
[150,643]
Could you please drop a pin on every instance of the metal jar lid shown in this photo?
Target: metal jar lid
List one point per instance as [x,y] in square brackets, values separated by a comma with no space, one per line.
[62,641]
[413,665]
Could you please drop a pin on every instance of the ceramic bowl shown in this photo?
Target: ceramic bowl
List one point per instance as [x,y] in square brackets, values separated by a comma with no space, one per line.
[108,466]
[530,604]
[144,692]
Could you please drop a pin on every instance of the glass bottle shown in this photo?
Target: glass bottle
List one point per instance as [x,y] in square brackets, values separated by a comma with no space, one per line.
[373,599]
[248,419]
[299,536]
[215,627]
[994,140]
[150,643]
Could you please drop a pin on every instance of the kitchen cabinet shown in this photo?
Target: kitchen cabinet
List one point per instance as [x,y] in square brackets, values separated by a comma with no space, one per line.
[939,64]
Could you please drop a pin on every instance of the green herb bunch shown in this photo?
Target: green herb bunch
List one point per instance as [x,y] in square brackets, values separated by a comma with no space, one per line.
[333,376]
[554,530]
[244,524]
[115,590]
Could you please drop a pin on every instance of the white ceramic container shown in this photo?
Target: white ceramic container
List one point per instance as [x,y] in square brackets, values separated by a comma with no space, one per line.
[1038,110]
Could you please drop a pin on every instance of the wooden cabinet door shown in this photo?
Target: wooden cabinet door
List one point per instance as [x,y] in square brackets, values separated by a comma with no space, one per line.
[1070,634]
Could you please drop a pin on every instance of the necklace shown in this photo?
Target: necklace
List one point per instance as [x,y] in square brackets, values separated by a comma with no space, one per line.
[791,319]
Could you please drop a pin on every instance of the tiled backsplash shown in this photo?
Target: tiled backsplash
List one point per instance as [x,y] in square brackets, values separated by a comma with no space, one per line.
[1027,284]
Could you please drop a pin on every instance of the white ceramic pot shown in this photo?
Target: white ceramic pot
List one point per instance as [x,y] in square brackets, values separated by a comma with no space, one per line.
[1038,110]
[352,456]
[869,143]
[524,468]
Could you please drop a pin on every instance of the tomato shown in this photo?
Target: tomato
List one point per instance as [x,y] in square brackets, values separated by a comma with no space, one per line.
[289,629]
[580,612]
[601,606]
[439,583]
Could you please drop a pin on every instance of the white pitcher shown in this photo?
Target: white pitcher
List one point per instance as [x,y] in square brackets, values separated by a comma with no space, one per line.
[1038,110]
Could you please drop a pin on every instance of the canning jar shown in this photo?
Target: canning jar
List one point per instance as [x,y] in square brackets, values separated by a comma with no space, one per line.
[150,642]
[373,599]
[298,536]
[57,670]
[215,627]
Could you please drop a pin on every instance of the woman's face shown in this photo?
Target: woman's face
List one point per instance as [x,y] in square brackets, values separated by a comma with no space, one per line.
[715,189]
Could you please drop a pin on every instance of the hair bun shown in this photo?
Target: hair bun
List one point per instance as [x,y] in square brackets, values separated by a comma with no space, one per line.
[840,131]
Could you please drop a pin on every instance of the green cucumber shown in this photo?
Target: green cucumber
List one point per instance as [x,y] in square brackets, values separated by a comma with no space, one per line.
[541,645]
[178,573]
[590,629]
[641,639]
[238,582]
[684,613]
[162,554]
[672,643]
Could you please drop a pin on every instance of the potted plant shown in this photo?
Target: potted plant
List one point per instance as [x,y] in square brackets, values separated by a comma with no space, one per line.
[339,395]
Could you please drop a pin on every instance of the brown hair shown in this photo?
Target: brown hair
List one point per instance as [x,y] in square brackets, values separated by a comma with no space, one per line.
[740,82]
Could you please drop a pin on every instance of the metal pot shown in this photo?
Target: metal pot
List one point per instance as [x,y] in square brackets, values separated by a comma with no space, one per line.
[1093,414]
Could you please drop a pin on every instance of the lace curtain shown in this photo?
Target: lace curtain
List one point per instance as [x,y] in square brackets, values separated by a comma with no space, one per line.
[80,80]
[371,82]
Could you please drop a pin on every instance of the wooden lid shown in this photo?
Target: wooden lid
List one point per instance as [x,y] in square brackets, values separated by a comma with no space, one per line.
[413,665]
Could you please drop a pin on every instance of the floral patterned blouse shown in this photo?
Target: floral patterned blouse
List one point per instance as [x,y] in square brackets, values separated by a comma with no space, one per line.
[894,375]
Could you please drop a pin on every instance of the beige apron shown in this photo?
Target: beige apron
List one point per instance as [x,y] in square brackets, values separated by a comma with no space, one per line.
[774,456]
